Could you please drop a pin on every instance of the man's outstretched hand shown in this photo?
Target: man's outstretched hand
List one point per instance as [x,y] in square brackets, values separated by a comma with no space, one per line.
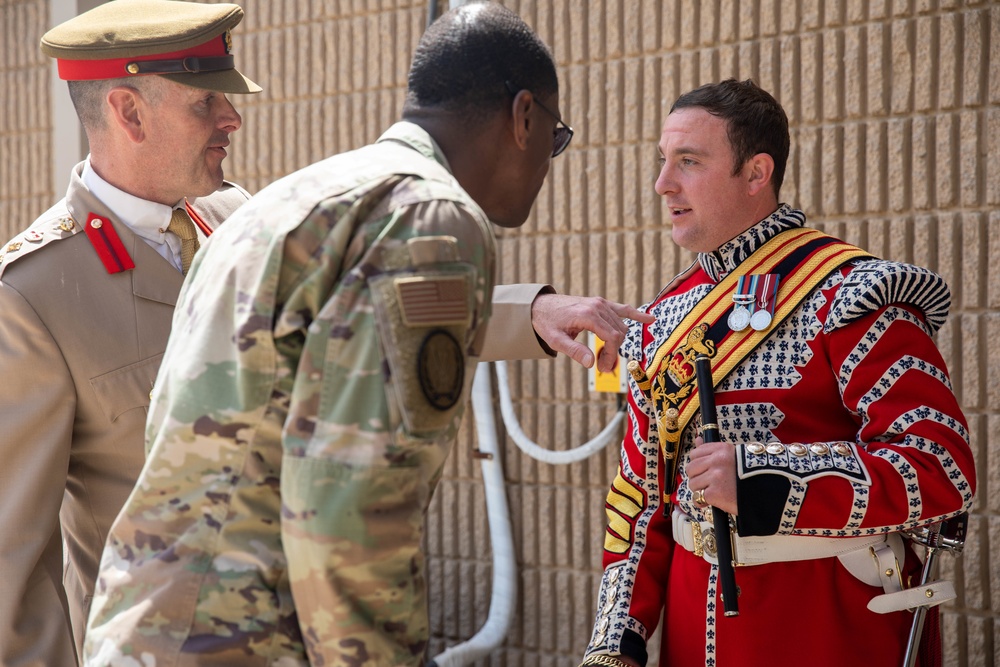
[559,318]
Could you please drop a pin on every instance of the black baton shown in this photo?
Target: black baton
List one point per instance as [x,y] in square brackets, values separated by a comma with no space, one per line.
[723,536]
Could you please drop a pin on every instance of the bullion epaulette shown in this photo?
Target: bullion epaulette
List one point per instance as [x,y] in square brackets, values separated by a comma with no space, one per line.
[802,462]
[35,237]
[877,283]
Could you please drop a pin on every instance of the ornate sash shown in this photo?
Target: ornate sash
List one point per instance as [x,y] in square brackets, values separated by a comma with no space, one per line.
[803,258]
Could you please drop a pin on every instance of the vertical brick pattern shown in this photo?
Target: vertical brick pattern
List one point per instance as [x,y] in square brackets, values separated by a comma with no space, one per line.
[26,188]
[895,114]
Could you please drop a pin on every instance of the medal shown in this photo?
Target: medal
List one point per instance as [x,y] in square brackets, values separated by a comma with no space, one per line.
[740,318]
[765,292]
[760,320]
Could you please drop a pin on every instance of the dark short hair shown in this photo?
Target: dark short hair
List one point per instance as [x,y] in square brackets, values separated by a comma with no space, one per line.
[465,57]
[755,122]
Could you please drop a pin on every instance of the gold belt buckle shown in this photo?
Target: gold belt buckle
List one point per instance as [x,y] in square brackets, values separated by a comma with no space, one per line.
[710,544]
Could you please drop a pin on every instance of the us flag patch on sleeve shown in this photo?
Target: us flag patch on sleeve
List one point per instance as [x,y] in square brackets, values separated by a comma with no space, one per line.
[434,301]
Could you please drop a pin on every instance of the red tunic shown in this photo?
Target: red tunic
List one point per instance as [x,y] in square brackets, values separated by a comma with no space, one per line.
[853,365]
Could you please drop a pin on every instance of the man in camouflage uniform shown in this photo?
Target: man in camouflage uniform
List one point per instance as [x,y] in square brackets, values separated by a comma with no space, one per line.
[322,353]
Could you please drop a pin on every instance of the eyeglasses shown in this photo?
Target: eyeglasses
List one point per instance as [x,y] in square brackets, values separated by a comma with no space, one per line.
[561,135]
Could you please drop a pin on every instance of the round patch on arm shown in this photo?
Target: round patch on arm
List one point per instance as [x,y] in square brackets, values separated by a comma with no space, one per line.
[441,369]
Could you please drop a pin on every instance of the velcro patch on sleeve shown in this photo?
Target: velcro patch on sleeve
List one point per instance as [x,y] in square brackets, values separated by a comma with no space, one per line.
[423,323]
[434,301]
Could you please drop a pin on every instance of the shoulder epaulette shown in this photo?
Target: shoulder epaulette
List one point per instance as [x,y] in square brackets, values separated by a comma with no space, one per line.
[877,283]
[37,236]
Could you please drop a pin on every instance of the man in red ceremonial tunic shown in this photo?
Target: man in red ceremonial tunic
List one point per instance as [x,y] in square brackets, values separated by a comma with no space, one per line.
[839,426]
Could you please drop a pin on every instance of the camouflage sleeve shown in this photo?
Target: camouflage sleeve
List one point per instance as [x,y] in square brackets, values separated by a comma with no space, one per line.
[367,432]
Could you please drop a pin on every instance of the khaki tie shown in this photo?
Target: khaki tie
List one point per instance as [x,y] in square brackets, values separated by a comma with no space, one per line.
[181,225]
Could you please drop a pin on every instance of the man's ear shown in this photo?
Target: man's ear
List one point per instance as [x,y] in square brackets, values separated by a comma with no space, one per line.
[124,106]
[760,168]
[521,121]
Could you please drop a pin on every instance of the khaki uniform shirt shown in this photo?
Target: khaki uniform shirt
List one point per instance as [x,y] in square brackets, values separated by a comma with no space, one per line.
[79,349]
[321,356]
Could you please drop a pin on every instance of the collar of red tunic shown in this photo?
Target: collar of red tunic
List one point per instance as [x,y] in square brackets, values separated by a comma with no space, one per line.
[718,263]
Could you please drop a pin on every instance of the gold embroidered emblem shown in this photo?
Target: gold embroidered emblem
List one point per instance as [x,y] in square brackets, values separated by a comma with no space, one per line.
[227,38]
[14,247]
[681,364]
[680,370]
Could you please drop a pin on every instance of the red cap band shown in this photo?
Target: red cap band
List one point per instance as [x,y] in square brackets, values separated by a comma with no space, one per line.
[114,68]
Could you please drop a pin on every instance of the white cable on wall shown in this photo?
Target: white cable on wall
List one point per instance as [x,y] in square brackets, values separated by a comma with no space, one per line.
[531,448]
[504,593]
[504,587]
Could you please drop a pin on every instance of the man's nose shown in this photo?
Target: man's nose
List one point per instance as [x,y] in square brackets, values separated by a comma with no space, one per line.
[665,182]
[229,119]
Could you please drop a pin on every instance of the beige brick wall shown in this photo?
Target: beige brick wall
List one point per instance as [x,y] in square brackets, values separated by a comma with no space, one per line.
[25,127]
[895,109]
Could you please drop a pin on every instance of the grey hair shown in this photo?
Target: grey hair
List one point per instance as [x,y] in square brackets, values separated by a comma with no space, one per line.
[89,97]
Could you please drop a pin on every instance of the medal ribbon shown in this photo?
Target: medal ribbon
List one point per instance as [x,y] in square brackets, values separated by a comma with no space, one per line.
[765,288]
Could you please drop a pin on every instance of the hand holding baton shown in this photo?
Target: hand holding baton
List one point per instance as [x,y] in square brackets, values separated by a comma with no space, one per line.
[723,536]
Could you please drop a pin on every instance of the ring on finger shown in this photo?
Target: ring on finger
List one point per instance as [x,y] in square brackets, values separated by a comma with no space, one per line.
[699,497]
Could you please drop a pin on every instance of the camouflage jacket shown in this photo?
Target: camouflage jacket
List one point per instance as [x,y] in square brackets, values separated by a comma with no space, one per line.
[321,354]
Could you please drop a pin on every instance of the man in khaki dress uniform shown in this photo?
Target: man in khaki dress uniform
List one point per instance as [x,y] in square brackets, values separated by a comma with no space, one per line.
[87,293]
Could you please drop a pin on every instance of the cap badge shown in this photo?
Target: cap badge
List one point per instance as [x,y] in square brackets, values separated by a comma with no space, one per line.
[227,39]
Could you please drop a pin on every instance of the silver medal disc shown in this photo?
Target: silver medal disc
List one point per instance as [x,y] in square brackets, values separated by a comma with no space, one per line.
[760,320]
[739,318]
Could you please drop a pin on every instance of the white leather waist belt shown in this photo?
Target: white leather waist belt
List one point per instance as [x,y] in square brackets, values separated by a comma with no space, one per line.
[700,539]
[875,560]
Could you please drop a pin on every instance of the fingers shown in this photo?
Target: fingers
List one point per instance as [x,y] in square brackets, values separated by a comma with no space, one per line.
[709,462]
[625,310]
[606,322]
[603,320]
[607,359]
[559,318]
[712,468]
[576,351]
